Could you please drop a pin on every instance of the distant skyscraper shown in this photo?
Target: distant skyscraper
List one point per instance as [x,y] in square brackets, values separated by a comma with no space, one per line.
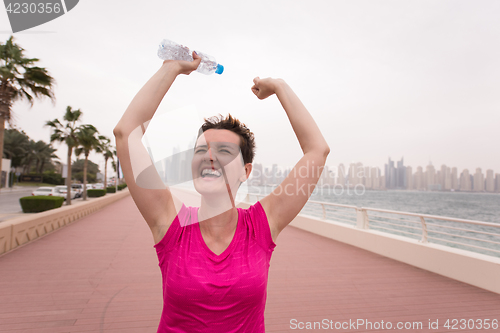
[419,182]
[443,178]
[267,176]
[360,170]
[430,177]
[454,178]
[324,179]
[401,175]
[355,174]
[375,178]
[367,180]
[328,177]
[409,178]
[490,181]
[497,182]
[390,175]
[341,179]
[257,175]
[274,172]
[465,181]
[478,181]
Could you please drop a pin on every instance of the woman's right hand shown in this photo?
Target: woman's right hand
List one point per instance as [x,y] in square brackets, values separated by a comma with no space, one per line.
[183,66]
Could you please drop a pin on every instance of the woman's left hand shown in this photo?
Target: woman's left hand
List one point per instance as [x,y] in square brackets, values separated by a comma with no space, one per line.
[263,88]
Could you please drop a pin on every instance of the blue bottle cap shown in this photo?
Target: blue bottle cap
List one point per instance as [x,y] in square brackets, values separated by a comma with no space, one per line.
[219,69]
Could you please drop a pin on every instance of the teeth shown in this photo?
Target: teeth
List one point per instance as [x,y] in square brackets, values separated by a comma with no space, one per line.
[210,172]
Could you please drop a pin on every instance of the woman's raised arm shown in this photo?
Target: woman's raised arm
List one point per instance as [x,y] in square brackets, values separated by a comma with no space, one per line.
[154,201]
[286,201]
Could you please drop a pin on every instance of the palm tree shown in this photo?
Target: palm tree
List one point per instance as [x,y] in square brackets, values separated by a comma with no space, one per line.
[20,79]
[106,149]
[16,145]
[29,156]
[44,153]
[66,133]
[116,168]
[88,140]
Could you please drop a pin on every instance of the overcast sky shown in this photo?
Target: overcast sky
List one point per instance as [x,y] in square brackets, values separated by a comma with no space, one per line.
[412,79]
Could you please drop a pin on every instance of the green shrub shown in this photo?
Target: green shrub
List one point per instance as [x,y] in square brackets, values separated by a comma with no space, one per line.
[96,193]
[110,190]
[53,178]
[40,203]
[121,186]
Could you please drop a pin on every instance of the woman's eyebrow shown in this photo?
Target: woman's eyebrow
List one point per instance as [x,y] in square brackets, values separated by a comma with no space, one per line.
[226,146]
[220,144]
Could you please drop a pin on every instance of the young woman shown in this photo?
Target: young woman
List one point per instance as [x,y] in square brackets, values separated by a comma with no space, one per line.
[215,258]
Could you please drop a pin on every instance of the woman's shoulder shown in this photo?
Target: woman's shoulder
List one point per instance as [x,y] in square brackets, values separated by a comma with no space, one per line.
[186,216]
[259,225]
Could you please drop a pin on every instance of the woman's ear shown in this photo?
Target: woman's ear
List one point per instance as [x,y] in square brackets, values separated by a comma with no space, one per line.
[248,170]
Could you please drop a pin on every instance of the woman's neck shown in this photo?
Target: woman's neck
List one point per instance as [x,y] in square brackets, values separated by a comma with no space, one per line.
[218,217]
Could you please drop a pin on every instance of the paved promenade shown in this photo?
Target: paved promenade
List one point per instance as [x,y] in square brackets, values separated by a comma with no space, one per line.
[101,274]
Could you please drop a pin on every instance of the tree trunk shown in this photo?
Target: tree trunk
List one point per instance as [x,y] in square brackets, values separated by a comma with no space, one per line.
[2,128]
[105,173]
[116,177]
[37,166]
[68,178]
[85,177]
[41,167]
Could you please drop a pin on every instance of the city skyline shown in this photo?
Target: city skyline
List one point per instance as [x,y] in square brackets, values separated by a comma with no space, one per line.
[399,176]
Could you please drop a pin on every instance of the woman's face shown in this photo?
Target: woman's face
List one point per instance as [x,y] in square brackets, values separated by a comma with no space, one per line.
[217,162]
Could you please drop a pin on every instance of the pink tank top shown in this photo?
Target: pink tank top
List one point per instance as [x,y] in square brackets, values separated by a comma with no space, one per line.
[205,292]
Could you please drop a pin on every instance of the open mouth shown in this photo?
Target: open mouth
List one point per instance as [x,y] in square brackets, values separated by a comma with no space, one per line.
[209,173]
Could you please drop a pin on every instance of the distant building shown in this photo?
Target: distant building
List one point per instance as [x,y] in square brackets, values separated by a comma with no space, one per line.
[367,180]
[409,178]
[341,179]
[382,183]
[395,177]
[375,178]
[418,178]
[465,181]
[355,175]
[390,175]
[257,175]
[454,178]
[327,177]
[490,181]
[430,177]
[478,181]
[401,175]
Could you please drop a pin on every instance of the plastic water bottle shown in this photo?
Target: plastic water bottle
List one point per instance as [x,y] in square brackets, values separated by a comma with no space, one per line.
[169,50]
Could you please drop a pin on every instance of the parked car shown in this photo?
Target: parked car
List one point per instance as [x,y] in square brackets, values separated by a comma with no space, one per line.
[78,188]
[99,186]
[90,186]
[49,191]
[62,190]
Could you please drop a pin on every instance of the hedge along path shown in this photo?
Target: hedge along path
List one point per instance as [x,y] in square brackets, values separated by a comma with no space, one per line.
[40,203]
[25,229]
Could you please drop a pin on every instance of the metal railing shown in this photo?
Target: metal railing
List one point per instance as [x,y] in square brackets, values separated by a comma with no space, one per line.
[476,236]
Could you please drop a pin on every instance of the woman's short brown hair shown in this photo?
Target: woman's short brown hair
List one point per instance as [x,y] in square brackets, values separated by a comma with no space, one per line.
[247,140]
